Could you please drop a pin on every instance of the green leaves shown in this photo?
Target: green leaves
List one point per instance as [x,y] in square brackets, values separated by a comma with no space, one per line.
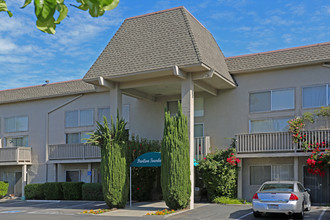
[45,11]
[97,7]
[3,7]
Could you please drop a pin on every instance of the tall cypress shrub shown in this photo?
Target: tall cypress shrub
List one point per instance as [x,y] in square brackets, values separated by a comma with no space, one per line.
[113,161]
[175,169]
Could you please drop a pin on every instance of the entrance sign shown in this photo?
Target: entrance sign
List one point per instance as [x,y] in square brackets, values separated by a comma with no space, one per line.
[151,159]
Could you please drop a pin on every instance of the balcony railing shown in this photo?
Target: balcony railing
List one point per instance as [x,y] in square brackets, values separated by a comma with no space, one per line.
[15,155]
[87,151]
[278,141]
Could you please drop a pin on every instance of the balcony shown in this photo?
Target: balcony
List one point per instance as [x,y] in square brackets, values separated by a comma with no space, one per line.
[278,142]
[15,155]
[88,152]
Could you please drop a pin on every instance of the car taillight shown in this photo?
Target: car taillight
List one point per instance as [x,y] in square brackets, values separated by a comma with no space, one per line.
[293,197]
[255,196]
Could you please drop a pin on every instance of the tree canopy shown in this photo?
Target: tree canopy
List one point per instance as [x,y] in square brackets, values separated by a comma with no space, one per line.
[49,13]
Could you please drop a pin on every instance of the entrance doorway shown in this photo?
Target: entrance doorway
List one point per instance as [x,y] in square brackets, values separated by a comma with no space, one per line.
[320,186]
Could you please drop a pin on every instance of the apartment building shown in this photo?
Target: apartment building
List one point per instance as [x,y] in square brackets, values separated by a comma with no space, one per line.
[153,61]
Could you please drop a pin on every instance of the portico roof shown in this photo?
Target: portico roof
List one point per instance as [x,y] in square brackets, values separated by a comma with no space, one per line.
[153,45]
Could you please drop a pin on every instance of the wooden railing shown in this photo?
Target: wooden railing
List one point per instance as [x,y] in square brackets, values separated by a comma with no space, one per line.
[278,141]
[15,155]
[87,151]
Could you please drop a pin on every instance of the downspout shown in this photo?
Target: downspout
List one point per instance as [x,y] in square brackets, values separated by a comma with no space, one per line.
[47,127]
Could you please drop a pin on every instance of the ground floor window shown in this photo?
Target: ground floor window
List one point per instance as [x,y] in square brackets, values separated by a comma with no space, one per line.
[263,173]
[72,176]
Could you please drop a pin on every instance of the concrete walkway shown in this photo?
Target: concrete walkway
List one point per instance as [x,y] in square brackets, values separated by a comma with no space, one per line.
[141,209]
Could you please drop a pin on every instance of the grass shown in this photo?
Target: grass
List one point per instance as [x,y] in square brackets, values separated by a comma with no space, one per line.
[226,200]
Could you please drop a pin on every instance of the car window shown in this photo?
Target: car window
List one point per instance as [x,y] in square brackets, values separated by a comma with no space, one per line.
[300,187]
[277,187]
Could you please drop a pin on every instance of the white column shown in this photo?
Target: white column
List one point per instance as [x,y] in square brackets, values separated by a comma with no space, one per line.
[295,168]
[239,180]
[187,97]
[115,102]
[23,181]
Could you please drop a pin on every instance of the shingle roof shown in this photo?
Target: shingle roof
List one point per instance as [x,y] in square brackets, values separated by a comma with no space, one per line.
[317,53]
[157,41]
[45,91]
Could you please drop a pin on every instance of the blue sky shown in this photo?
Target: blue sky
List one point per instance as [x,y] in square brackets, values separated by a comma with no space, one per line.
[29,57]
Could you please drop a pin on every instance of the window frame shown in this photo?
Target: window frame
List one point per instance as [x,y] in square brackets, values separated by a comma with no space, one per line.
[203,124]
[16,131]
[327,95]
[271,99]
[79,122]
[265,119]
[5,141]
[80,136]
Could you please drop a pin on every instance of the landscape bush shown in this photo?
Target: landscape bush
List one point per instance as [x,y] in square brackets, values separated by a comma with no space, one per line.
[3,188]
[72,190]
[34,191]
[92,191]
[53,191]
[219,173]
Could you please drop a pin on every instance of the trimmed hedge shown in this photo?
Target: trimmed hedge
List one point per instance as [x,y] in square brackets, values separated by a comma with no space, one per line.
[3,188]
[92,191]
[34,191]
[53,191]
[72,190]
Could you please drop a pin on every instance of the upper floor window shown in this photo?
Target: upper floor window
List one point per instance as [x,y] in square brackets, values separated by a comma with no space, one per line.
[316,96]
[103,112]
[269,125]
[125,114]
[76,138]
[172,106]
[272,100]
[21,141]
[16,124]
[79,118]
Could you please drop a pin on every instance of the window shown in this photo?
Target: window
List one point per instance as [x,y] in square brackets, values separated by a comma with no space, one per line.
[73,176]
[172,106]
[259,174]
[16,124]
[269,125]
[282,172]
[273,100]
[103,112]
[21,141]
[199,107]
[199,130]
[316,96]
[125,114]
[79,118]
[76,138]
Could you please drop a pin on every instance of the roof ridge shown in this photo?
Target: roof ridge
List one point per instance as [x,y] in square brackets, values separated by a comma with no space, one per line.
[191,34]
[279,50]
[152,13]
[27,87]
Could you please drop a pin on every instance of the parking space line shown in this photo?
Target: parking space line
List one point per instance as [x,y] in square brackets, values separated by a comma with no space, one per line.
[243,216]
[321,215]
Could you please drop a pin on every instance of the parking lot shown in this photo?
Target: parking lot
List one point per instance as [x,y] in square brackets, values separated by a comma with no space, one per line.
[71,210]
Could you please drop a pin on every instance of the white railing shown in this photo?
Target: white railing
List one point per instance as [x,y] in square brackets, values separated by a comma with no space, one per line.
[278,141]
[87,151]
[202,147]
[15,154]
[73,152]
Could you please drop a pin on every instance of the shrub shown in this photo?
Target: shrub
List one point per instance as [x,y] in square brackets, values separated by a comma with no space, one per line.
[143,178]
[226,200]
[53,191]
[175,169]
[219,175]
[113,161]
[72,191]
[34,191]
[3,188]
[92,191]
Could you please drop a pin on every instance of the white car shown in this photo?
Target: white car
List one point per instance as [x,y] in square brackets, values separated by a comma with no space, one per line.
[288,197]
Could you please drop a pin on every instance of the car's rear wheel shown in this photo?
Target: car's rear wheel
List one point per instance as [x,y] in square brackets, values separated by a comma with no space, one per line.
[309,206]
[300,215]
[256,214]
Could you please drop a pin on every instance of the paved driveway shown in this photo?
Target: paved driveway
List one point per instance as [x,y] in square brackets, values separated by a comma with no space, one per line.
[70,210]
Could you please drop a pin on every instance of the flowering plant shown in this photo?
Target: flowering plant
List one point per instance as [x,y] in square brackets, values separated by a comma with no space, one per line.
[162,212]
[317,161]
[233,160]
